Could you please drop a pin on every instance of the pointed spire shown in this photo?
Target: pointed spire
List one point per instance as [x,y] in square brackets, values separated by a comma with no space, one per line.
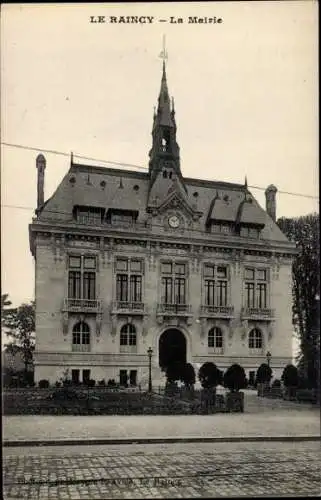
[245,182]
[163,110]
[71,158]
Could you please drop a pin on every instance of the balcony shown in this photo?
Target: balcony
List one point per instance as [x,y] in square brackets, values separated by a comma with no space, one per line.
[80,347]
[224,312]
[82,305]
[174,309]
[121,307]
[257,313]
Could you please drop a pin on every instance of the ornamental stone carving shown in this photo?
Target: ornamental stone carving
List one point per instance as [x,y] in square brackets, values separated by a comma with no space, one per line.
[65,323]
[113,325]
[244,328]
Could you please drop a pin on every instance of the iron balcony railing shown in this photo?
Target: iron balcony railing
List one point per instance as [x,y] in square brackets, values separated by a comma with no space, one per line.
[257,312]
[81,347]
[218,311]
[120,305]
[173,308]
[88,305]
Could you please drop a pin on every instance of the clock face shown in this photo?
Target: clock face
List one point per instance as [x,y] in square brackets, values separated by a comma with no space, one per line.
[173,221]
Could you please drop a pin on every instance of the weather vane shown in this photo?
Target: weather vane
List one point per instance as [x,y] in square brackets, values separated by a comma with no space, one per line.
[164,55]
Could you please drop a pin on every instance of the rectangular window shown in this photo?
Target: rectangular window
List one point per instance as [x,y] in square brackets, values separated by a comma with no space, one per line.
[221,272]
[133,377]
[167,290]
[249,274]
[75,262]
[136,265]
[89,286]
[173,283]
[122,287]
[179,268]
[166,268]
[129,283]
[261,295]
[221,293]
[122,220]
[249,295]
[135,288]
[89,262]
[82,283]
[121,265]
[85,376]
[74,285]
[256,288]
[209,292]
[209,271]
[216,289]
[179,291]
[75,376]
[89,215]
[123,377]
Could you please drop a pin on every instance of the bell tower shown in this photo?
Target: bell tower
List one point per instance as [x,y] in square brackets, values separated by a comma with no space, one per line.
[164,154]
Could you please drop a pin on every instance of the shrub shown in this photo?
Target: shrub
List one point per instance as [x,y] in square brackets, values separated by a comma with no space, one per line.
[188,375]
[111,383]
[276,383]
[43,384]
[263,374]
[290,376]
[175,372]
[234,378]
[102,383]
[209,375]
[91,382]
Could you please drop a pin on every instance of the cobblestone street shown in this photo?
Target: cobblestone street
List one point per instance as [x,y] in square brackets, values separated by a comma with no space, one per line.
[163,471]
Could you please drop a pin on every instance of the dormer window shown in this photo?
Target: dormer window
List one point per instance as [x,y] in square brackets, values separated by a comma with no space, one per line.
[118,217]
[88,215]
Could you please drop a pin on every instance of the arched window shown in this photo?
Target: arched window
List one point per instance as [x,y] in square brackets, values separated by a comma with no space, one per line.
[128,335]
[215,339]
[165,174]
[255,339]
[81,337]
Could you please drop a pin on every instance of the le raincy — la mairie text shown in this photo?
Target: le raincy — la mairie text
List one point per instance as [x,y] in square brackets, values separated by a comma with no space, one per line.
[152,19]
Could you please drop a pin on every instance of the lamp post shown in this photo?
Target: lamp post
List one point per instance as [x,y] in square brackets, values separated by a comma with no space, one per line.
[150,353]
[268,357]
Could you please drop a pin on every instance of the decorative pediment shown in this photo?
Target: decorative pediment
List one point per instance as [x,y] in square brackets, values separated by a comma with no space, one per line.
[176,200]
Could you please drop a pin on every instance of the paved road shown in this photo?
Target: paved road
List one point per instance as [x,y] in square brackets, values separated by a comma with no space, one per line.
[163,471]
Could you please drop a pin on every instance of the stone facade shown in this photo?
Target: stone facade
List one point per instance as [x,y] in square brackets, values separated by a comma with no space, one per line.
[166,234]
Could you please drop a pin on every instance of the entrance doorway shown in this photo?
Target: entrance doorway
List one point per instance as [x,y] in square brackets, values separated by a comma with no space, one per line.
[171,348]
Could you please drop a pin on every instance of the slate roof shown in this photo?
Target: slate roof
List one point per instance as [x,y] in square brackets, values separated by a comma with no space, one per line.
[116,188]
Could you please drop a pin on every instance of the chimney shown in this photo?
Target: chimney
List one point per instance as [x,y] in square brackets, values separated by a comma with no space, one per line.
[270,202]
[41,165]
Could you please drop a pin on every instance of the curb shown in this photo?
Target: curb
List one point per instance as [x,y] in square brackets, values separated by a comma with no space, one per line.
[156,440]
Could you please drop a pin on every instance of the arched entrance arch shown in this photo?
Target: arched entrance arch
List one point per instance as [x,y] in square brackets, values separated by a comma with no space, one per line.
[171,347]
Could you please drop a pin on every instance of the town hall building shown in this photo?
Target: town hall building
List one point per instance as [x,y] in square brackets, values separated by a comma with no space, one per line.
[127,260]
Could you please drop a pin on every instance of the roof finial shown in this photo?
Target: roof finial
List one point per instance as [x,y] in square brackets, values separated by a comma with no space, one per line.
[164,55]
[245,182]
[71,158]
[173,106]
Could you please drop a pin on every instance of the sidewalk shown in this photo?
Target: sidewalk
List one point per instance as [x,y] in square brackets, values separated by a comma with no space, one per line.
[32,430]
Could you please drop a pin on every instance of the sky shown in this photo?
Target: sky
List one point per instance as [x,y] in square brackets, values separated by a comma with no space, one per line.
[245,89]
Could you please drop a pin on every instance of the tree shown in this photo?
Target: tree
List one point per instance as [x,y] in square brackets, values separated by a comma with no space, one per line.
[209,375]
[304,231]
[263,374]
[20,327]
[5,309]
[290,376]
[234,378]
